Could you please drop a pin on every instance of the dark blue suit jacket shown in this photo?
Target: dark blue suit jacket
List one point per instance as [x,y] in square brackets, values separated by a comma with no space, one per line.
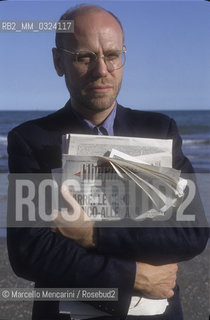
[51,260]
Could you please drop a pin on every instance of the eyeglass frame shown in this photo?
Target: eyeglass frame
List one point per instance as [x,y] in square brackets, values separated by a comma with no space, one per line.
[76,53]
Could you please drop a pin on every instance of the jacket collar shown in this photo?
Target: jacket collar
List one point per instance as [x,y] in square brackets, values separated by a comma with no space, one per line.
[70,123]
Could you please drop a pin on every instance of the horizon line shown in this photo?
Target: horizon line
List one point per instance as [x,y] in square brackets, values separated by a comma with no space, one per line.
[143,109]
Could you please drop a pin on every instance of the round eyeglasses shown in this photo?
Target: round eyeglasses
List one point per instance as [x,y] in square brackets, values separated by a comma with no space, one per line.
[114,59]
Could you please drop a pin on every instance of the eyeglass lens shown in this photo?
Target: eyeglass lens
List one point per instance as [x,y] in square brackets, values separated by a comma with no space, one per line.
[114,60]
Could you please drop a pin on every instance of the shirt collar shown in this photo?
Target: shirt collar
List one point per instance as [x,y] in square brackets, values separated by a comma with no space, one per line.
[107,124]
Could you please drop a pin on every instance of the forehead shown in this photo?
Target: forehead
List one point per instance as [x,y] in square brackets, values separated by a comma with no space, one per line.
[95,30]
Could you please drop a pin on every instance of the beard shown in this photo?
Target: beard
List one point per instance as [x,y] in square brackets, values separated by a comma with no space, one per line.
[94,101]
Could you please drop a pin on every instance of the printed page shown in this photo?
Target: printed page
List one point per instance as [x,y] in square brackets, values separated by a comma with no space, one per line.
[88,145]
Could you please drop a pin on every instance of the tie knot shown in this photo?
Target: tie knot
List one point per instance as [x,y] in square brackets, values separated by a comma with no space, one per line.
[101,131]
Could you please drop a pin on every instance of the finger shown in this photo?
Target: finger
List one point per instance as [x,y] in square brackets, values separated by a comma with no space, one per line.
[173,284]
[170,294]
[62,219]
[67,195]
[174,267]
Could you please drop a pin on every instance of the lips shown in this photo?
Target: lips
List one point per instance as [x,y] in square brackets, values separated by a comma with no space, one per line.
[100,87]
[104,88]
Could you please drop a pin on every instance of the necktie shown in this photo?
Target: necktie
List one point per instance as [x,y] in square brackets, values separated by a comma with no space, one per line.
[101,131]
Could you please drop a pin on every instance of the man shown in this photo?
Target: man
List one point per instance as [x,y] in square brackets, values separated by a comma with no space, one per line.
[138,261]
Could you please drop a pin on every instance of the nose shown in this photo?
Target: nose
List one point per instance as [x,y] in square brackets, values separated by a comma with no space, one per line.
[100,68]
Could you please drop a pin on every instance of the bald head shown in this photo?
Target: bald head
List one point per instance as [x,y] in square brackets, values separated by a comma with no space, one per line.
[84,14]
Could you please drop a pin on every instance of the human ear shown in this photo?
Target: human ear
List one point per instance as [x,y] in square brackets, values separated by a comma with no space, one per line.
[58,63]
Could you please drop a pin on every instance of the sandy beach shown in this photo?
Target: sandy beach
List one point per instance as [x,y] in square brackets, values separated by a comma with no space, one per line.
[193,279]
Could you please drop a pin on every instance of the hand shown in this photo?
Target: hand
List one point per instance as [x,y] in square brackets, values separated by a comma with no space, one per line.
[74,224]
[156,281]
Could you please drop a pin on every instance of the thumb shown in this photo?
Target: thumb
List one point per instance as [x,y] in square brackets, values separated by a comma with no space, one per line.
[67,195]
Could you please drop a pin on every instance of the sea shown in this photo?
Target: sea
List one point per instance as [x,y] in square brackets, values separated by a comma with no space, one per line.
[194,128]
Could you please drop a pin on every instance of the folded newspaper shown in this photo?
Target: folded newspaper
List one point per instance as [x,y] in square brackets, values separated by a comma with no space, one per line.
[111,176]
